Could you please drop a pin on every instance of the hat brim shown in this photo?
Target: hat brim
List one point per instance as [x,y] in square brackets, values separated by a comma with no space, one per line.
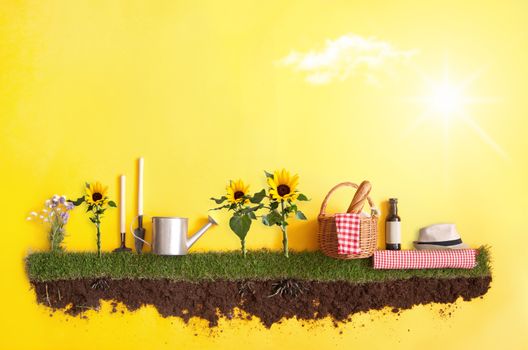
[431,246]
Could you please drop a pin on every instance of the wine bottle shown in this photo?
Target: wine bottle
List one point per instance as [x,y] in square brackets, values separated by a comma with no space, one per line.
[393,227]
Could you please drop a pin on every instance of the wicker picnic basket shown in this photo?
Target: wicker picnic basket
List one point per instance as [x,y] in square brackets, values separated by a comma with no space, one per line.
[327,235]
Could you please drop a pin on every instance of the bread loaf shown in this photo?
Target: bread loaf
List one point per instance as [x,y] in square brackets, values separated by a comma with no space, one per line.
[356,206]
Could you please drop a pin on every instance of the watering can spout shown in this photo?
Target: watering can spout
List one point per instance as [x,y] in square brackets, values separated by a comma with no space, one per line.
[191,240]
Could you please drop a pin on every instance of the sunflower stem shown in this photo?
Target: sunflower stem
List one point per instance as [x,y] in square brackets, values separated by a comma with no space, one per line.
[97,225]
[243,243]
[285,241]
[284,233]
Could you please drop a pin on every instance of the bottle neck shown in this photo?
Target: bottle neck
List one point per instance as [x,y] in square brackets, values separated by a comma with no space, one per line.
[393,209]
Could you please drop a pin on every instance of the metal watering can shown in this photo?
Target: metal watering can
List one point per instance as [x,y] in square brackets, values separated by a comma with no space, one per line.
[169,235]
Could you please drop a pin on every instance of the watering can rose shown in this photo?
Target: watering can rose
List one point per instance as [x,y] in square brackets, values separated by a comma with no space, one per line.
[243,205]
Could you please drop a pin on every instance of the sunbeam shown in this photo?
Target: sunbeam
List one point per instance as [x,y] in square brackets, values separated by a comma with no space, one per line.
[483,135]
[448,102]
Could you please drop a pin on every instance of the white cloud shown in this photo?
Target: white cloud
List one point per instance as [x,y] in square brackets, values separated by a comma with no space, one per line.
[348,55]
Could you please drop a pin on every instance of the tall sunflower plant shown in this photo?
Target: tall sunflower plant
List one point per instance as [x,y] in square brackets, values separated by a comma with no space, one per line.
[97,201]
[283,196]
[243,205]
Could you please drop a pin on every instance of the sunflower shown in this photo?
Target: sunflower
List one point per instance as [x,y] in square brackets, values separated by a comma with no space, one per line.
[283,185]
[95,194]
[236,191]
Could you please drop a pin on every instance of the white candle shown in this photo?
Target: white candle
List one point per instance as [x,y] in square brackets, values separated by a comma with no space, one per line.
[122,204]
[140,187]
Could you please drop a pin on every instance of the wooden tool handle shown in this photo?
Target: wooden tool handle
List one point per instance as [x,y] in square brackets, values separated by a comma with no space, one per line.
[356,206]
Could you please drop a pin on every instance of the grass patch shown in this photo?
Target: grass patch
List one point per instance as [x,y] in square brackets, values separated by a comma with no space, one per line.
[261,265]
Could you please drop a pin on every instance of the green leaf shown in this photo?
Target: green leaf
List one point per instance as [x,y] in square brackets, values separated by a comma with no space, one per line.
[247,210]
[252,215]
[302,197]
[78,201]
[92,220]
[219,200]
[274,205]
[258,197]
[112,204]
[300,215]
[269,175]
[240,225]
[222,207]
[273,218]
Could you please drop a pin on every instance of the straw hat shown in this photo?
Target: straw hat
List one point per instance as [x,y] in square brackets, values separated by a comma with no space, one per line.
[440,236]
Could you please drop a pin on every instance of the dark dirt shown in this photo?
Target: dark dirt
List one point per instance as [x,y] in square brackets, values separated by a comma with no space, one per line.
[269,300]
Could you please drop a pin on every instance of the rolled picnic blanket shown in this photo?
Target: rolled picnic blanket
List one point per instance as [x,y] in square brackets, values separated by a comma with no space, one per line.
[425,259]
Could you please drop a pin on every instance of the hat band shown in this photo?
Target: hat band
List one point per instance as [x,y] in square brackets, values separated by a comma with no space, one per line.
[443,243]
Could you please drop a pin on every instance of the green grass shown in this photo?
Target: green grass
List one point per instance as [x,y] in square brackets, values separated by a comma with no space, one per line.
[227,265]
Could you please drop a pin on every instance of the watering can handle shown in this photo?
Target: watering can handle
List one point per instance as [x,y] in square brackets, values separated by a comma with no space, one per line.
[133,234]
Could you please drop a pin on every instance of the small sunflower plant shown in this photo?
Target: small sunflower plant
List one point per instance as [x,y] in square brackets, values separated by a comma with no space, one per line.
[283,196]
[97,201]
[55,216]
[243,205]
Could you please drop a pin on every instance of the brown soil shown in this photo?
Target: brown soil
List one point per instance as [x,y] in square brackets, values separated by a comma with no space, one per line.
[269,300]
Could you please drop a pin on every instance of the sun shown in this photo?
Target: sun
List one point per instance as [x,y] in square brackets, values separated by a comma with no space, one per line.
[446,98]
[447,101]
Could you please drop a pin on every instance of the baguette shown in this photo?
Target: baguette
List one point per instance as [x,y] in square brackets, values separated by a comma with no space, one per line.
[356,206]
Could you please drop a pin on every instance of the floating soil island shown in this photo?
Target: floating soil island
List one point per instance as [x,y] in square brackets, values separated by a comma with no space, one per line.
[306,286]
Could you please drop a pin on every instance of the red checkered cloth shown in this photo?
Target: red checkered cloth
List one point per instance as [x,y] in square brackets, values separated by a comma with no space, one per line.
[425,259]
[347,226]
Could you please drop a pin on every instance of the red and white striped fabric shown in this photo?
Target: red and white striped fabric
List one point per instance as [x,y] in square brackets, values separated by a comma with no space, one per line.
[425,259]
[347,226]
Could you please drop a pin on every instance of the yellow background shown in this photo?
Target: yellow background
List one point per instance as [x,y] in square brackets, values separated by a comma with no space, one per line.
[88,86]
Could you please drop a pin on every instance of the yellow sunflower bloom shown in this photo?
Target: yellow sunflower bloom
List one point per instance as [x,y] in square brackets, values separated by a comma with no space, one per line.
[96,194]
[236,191]
[283,185]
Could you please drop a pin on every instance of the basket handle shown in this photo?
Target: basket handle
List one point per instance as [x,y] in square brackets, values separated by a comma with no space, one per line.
[322,212]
